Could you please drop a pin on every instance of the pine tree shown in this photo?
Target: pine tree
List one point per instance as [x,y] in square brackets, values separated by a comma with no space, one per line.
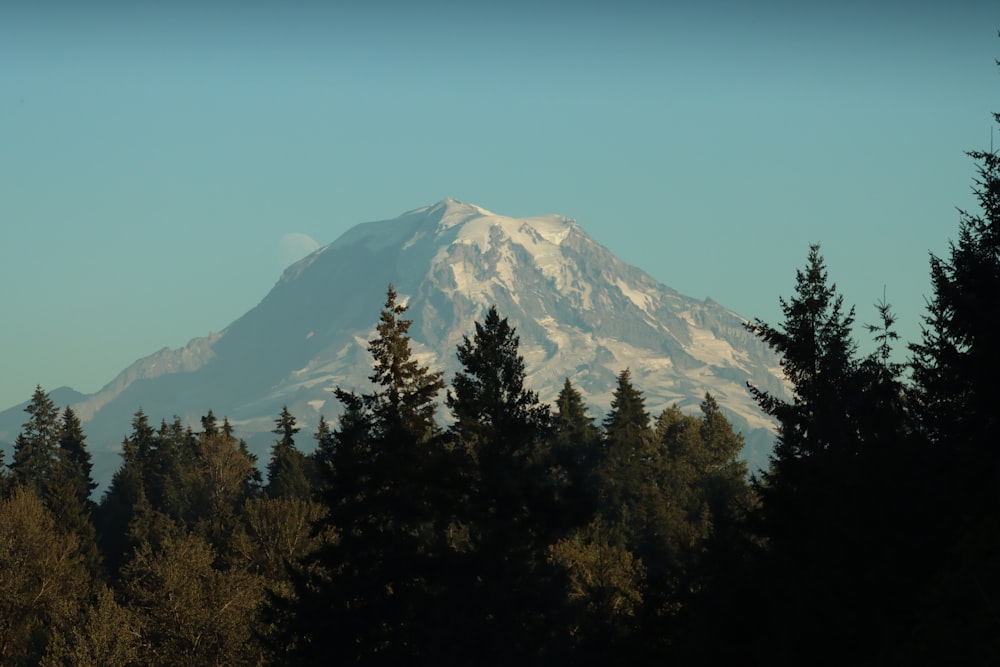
[287,474]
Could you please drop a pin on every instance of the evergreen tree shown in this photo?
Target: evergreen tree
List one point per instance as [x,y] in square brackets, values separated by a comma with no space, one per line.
[817,428]
[366,594]
[955,396]
[76,457]
[627,440]
[576,450]
[504,430]
[36,449]
[322,456]
[68,490]
[287,473]
[169,473]
[831,566]
[117,507]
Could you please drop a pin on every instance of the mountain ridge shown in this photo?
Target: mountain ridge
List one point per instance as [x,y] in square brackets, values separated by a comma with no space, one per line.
[580,313]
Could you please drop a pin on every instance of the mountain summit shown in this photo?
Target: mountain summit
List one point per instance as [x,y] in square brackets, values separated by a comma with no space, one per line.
[580,313]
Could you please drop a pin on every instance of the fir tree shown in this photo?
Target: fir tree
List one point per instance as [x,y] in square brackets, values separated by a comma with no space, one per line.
[626,442]
[287,475]
[504,429]
[117,507]
[818,358]
[322,456]
[75,456]
[36,449]
[366,594]
[955,396]
[831,567]
[576,450]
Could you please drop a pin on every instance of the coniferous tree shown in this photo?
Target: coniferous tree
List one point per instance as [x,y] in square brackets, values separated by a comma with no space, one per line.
[36,449]
[68,490]
[117,507]
[627,437]
[826,499]
[576,450]
[75,456]
[322,456]
[366,594]
[287,473]
[955,396]
[504,429]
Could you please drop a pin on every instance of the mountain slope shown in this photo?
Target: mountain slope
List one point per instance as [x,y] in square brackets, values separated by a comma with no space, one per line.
[580,313]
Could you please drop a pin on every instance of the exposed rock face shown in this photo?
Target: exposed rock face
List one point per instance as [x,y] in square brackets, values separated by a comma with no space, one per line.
[580,312]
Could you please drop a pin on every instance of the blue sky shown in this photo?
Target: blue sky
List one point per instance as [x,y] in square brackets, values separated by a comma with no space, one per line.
[154,155]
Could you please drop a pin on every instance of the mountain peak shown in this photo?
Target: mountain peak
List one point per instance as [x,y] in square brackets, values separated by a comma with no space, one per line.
[580,313]
[451,212]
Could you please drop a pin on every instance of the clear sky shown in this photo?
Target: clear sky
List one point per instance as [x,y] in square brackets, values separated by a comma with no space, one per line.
[154,155]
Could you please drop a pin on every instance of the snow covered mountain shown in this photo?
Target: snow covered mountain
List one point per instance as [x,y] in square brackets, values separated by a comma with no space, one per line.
[580,312]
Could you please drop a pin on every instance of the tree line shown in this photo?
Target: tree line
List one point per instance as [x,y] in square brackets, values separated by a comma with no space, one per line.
[523,533]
